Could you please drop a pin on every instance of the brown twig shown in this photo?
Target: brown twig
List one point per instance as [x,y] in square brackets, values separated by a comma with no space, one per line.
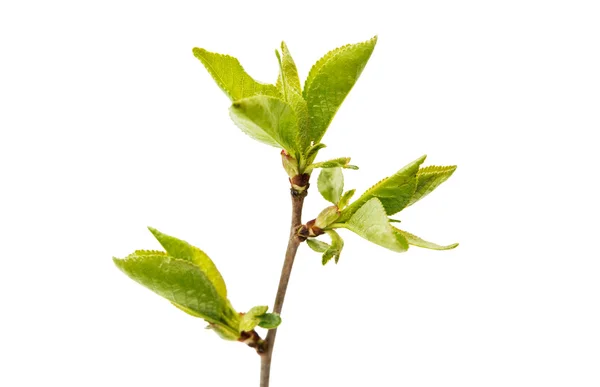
[290,254]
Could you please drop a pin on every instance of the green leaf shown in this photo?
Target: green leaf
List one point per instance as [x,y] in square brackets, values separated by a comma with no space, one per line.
[180,249]
[317,245]
[288,76]
[288,83]
[341,162]
[345,198]
[395,220]
[231,77]
[331,184]
[268,120]
[429,178]
[416,241]
[394,192]
[180,281]
[329,82]
[269,321]
[251,319]
[334,251]
[312,151]
[370,222]
[259,316]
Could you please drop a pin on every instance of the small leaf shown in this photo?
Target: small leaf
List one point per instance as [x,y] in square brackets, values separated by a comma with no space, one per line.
[251,319]
[231,77]
[312,151]
[394,192]
[370,222]
[317,245]
[180,249]
[345,198]
[269,321]
[428,179]
[179,281]
[329,82]
[416,241]
[331,184]
[268,120]
[334,251]
[341,162]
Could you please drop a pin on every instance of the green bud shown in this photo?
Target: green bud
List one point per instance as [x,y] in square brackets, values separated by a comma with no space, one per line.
[290,164]
[327,217]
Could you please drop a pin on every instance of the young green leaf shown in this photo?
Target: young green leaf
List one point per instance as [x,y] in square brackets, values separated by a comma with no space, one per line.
[179,281]
[331,184]
[268,120]
[330,80]
[259,316]
[428,179]
[269,320]
[231,77]
[251,319]
[341,162]
[416,241]
[317,245]
[345,198]
[394,192]
[334,251]
[312,151]
[180,249]
[370,222]
[288,75]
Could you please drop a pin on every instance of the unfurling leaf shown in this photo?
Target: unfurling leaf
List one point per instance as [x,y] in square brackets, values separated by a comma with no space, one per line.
[345,198]
[288,75]
[331,184]
[370,222]
[334,251]
[269,321]
[416,241]
[341,162]
[394,192]
[428,179]
[317,245]
[329,82]
[259,316]
[268,120]
[231,77]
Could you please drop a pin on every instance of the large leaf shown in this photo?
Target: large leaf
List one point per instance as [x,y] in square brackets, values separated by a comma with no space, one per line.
[370,222]
[394,192]
[268,120]
[416,241]
[329,82]
[428,179]
[331,184]
[231,77]
[180,281]
[182,250]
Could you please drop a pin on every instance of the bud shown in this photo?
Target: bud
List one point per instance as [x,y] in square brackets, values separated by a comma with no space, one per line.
[327,217]
[290,164]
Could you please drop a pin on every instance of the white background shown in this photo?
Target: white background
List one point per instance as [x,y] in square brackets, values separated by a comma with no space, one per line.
[109,124]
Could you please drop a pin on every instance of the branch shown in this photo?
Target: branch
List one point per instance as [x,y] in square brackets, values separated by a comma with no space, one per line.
[294,241]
